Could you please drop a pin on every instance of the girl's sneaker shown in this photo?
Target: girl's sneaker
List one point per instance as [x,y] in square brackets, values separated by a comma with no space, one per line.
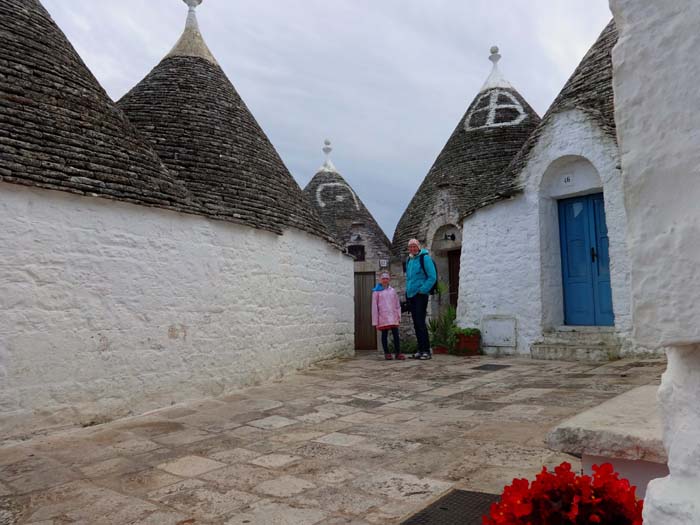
[400,357]
[388,357]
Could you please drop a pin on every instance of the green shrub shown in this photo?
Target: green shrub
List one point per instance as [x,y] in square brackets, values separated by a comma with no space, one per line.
[442,329]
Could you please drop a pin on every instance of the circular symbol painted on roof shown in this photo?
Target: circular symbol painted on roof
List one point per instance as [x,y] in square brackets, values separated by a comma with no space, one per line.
[339,197]
[495,109]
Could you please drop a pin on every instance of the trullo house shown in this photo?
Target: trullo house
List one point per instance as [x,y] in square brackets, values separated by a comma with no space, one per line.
[353,227]
[544,269]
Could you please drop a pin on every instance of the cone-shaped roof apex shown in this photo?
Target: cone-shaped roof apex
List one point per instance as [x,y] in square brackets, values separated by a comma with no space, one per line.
[339,206]
[191,43]
[197,122]
[469,169]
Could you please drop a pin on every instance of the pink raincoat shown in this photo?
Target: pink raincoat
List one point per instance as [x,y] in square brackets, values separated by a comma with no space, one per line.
[386,309]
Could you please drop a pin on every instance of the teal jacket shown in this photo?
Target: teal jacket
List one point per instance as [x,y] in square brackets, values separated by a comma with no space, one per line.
[416,280]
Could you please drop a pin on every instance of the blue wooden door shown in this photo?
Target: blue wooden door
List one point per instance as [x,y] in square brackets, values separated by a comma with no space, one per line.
[585,261]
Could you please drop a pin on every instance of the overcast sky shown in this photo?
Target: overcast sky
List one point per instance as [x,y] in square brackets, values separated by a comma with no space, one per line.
[385,80]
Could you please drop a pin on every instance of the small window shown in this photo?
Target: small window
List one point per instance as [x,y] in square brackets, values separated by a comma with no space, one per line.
[358,252]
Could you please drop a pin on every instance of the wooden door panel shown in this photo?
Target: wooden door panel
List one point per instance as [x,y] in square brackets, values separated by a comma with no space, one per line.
[365,333]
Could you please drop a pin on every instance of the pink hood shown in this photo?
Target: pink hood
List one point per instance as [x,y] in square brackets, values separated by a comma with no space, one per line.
[386,308]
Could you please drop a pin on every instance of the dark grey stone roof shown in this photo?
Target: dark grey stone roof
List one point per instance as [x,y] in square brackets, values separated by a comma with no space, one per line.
[589,89]
[202,130]
[59,129]
[339,208]
[470,166]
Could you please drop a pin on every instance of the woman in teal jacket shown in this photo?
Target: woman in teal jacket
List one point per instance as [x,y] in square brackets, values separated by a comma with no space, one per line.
[421,277]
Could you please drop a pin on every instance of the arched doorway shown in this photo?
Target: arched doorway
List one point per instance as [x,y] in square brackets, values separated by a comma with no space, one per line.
[446,251]
[575,247]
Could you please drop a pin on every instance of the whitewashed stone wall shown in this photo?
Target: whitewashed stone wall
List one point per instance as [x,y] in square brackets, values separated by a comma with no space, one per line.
[110,308]
[511,259]
[655,77]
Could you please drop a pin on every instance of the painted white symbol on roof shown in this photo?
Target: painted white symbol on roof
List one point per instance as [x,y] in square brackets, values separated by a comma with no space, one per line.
[338,197]
[495,109]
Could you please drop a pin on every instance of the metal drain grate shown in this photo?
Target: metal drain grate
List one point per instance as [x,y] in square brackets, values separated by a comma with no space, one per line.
[459,507]
[491,368]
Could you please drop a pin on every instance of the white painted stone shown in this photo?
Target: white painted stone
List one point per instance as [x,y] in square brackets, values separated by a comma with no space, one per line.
[110,308]
[656,75]
[511,261]
[638,473]
[626,427]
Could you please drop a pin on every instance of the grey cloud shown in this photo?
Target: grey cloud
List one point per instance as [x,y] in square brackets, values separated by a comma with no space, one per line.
[385,80]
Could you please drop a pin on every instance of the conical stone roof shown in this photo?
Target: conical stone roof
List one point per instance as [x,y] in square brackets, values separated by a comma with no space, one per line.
[589,89]
[59,129]
[470,166]
[202,130]
[340,208]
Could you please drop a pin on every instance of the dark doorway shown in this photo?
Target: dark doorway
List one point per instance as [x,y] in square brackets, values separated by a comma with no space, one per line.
[453,258]
[365,334]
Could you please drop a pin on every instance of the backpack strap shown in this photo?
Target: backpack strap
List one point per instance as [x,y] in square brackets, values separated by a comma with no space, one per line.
[422,264]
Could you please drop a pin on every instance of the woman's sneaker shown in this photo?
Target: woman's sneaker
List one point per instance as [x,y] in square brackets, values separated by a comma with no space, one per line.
[388,357]
[425,356]
[400,357]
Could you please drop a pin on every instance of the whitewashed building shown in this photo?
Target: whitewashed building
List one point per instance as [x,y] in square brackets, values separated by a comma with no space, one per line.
[545,271]
[149,261]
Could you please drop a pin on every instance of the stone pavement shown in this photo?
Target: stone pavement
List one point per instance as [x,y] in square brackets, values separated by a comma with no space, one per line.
[355,441]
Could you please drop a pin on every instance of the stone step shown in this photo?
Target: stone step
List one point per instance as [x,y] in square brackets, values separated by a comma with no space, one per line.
[575,352]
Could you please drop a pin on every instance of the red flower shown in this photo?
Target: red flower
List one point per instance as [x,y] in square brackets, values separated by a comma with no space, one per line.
[563,498]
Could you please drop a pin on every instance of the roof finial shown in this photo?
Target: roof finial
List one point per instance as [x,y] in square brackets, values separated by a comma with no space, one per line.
[495,56]
[328,164]
[496,78]
[191,42]
[192,3]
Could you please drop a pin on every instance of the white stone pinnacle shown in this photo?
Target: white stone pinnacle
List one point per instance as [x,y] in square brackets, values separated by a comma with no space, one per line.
[496,78]
[328,164]
[191,42]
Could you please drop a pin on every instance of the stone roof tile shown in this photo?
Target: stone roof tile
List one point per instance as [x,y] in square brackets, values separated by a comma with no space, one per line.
[59,129]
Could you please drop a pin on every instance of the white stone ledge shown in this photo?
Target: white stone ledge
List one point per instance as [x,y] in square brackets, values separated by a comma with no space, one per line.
[625,427]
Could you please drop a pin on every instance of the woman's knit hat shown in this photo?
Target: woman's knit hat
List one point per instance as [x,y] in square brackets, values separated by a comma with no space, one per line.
[385,275]
[414,241]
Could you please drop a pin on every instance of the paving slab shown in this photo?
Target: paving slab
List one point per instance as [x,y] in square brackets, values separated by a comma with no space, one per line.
[350,442]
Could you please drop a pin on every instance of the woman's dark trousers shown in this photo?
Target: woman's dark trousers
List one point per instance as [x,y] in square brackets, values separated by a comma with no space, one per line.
[419,310]
[385,340]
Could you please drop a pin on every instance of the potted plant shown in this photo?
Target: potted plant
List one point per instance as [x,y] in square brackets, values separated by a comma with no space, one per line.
[442,331]
[468,341]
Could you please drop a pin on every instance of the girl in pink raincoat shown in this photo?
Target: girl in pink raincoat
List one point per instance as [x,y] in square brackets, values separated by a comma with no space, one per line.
[386,315]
